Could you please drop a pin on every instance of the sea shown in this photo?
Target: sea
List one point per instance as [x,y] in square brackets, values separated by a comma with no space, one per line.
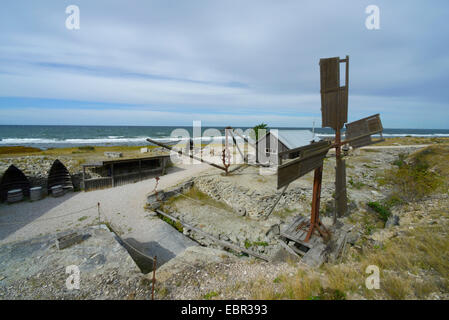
[53,136]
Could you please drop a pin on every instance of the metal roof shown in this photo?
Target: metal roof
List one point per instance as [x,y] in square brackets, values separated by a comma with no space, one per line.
[294,138]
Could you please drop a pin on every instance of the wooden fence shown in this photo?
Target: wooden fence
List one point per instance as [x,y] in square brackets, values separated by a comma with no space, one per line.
[119,180]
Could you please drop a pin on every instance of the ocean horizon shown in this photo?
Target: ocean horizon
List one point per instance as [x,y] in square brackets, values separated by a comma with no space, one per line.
[62,136]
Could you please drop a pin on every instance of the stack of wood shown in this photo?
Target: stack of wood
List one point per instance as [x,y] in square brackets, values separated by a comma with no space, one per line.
[15,195]
[35,193]
[57,191]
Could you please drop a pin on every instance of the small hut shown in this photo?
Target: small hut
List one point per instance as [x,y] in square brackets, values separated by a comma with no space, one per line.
[13,178]
[59,175]
[277,141]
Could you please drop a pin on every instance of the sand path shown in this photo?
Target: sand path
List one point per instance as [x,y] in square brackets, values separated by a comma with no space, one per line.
[123,206]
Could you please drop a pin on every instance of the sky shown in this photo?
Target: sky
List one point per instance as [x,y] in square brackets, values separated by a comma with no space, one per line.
[237,63]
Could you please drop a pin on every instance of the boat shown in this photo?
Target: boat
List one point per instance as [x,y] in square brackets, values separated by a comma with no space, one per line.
[13,178]
[59,175]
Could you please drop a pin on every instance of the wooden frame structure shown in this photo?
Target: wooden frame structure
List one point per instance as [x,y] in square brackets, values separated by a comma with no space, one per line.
[310,158]
[113,179]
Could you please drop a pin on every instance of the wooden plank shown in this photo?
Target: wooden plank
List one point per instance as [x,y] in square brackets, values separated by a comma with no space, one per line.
[334,98]
[311,157]
[358,133]
[294,224]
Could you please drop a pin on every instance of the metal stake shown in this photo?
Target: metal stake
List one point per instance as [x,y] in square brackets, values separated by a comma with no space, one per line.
[154,276]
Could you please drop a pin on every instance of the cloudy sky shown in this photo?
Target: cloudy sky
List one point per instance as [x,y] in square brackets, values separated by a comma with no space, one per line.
[169,62]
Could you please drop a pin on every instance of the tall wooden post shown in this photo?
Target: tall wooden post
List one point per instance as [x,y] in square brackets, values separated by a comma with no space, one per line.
[337,173]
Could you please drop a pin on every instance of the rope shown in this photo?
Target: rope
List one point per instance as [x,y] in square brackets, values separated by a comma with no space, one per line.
[50,218]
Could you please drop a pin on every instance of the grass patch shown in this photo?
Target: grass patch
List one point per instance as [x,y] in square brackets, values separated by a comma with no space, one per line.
[175,224]
[249,244]
[18,150]
[205,199]
[420,174]
[356,184]
[86,148]
[83,218]
[383,211]
[210,295]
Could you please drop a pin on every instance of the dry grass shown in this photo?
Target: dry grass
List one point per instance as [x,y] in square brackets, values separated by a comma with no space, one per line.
[301,286]
[422,173]
[16,150]
[412,141]
[412,266]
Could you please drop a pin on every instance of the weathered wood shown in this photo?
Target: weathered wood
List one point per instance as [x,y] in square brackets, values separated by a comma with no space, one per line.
[68,240]
[59,175]
[341,199]
[163,145]
[277,201]
[334,98]
[310,158]
[358,133]
[220,242]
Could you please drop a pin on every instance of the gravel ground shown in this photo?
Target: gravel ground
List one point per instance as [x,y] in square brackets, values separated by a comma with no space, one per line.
[123,206]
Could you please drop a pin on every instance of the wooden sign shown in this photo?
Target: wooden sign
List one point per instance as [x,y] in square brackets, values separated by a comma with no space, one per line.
[310,158]
[334,98]
[359,132]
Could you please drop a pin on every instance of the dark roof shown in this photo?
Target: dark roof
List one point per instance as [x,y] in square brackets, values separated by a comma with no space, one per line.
[113,161]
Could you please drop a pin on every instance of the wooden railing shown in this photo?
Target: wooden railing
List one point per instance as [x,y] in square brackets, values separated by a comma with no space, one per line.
[119,180]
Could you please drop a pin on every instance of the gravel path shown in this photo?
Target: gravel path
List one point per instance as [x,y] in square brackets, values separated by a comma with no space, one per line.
[123,206]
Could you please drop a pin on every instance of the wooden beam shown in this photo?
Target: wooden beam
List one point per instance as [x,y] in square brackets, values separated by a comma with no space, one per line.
[112,174]
[220,242]
[163,145]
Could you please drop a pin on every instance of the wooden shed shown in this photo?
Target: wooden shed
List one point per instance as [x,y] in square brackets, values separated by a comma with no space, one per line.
[277,141]
[122,171]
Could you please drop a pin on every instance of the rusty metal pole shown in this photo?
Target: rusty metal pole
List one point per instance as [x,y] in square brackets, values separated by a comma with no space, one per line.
[315,212]
[154,276]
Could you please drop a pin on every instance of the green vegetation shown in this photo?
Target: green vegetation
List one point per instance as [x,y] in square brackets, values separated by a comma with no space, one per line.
[420,174]
[383,211]
[249,244]
[210,295]
[356,184]
[175,224]
[87,148]
[83,218]
[205,199]
[261,126]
